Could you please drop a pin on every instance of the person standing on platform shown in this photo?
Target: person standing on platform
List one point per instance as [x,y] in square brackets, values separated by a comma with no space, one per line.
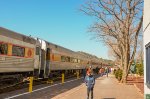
[107,71]
[84,72]
[101,72]
[90,82]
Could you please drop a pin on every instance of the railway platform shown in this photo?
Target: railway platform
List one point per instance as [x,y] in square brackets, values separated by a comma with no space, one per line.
[105,88]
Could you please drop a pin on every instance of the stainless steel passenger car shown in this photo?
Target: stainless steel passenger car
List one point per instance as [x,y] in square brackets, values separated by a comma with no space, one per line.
[57,58]
[21,56]
[17,54]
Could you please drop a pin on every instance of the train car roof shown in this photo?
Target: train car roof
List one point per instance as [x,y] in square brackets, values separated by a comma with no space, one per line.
[67,51]
[60,48]
[17,36]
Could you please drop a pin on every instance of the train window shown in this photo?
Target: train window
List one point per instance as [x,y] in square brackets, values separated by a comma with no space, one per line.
[67,59]
[78,61]
[63,58]
[3,48]
[71,59]
[81,61]
[18,51]
[37,50]
[75,60]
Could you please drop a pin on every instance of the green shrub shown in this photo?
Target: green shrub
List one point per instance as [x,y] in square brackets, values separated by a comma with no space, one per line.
[139,69]
[118,74]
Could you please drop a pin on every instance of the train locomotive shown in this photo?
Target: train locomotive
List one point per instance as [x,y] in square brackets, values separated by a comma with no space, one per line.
[22,56]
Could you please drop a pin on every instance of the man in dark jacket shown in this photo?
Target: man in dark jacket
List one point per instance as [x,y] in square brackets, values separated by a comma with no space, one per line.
[84,73]
[90,82]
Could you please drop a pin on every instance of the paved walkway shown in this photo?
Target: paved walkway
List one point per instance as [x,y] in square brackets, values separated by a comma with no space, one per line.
[105,88]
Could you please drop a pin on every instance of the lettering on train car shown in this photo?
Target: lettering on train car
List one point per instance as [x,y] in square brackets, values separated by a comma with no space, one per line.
[29,53]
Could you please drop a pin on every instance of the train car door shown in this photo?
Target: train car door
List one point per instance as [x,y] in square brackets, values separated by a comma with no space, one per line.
[37,61]
[47,69]
[42,63]
[42,58]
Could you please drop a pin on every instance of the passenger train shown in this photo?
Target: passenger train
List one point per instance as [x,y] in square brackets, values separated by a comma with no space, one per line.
[22,56]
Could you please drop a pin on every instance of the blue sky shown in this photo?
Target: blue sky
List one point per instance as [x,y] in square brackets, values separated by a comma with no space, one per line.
[57,21]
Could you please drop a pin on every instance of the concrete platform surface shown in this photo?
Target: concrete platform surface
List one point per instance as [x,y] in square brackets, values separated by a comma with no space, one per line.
[105,88]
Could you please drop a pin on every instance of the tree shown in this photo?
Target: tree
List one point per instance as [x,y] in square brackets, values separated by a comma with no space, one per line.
[112,55]
[140,53]
[118,24]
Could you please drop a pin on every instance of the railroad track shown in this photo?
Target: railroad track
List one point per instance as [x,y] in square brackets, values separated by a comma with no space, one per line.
[8,88]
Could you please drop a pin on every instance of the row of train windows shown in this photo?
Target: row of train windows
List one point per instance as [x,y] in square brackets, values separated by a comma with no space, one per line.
[20,51]
[65,59]
[69,59]
[16,50]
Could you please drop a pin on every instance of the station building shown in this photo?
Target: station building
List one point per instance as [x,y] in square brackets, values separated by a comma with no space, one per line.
[146,37]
